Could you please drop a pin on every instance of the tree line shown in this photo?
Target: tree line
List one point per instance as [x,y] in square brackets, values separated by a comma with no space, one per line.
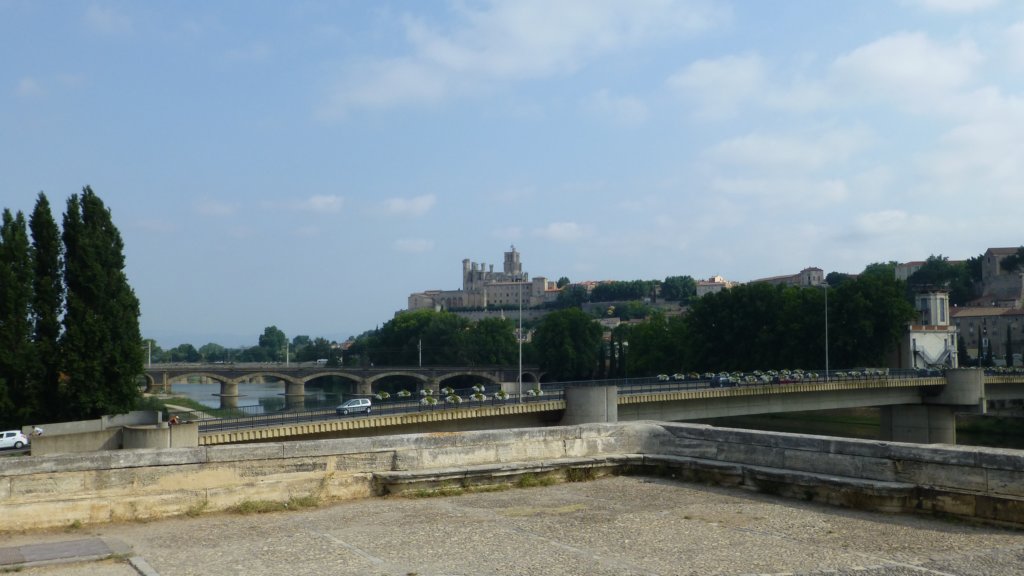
[69,320]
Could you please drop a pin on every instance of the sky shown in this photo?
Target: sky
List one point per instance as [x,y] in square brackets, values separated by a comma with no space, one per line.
[309,164]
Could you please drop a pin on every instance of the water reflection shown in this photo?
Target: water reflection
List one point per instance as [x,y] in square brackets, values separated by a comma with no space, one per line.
[255,397]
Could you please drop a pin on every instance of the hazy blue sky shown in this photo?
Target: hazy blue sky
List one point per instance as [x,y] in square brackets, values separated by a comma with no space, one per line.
[309,164]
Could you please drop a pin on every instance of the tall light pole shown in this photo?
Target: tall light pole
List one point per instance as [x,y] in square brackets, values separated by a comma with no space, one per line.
[519,338]
[826,332]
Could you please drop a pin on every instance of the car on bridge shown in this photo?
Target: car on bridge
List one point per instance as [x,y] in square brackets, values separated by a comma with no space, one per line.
[13,439]
[353,406]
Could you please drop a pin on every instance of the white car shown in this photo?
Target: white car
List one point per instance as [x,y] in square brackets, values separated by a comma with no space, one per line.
[13,439]
[352,406]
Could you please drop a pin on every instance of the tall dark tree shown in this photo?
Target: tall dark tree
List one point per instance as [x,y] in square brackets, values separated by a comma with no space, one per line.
[17,395]
[101,343]
[47,304]
[1009,346]
[679,288]
[273,341]
[567,344]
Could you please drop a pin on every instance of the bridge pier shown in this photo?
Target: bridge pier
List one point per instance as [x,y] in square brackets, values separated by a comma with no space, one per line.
[294,395]
[591,404]
[364,388]
[919,424]
[228,395]
[934,420]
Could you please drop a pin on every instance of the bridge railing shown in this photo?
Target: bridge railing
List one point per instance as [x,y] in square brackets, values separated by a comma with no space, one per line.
[255,416]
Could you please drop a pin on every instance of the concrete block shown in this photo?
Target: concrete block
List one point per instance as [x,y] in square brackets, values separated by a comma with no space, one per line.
[1005,482]
[242,452]
[751,454]
[939,476]
[951,455]
[1002,459]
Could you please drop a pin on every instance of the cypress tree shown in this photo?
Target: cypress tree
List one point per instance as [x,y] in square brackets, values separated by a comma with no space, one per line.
[17,398]
[47,303]
[101,344]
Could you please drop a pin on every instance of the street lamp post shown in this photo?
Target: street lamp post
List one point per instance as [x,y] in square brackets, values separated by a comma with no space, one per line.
[826,332]
[519,339]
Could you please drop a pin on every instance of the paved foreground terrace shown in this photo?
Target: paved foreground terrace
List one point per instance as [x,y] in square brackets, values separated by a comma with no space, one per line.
[617,526]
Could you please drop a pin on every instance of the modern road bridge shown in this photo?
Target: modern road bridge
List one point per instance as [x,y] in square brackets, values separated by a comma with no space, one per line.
[914,409]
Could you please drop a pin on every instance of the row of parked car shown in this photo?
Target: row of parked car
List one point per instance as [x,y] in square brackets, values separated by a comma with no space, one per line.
[719,379]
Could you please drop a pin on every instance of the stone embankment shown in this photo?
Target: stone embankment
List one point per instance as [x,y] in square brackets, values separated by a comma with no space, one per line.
[57,490]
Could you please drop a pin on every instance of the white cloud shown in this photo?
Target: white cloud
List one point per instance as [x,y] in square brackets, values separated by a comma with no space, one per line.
[891,222]
[29,88]
[416,206]
[908,67]
[512,41]
[561,231]
[622,110]
[322,204]
[772,192]
[413,245]
[721,87]
[215,208]
[1014,37]
[787,153]
[955,6]
[108,21]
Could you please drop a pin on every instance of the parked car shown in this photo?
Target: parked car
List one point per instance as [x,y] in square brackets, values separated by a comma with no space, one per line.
[13,439]
[353,406]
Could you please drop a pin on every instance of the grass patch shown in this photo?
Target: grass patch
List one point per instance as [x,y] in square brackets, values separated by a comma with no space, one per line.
[531,480]
[580,474]
[196,509]
[267,506]
[74,525]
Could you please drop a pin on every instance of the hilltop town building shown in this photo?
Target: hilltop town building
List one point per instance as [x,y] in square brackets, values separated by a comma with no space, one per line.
[713,285]
[805,278]
[483,288]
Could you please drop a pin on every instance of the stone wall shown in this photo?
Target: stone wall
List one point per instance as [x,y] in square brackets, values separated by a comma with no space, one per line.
[47,491]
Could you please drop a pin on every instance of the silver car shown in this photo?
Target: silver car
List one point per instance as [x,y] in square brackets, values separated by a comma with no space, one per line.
[353,406]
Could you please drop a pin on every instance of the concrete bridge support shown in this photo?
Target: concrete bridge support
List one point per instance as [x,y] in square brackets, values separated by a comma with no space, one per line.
[228,395]
[364,388]
[934,421]
[919,424]
[294,395]
[591,404]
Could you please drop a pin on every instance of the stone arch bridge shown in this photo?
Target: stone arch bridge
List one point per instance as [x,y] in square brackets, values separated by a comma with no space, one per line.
[161,377]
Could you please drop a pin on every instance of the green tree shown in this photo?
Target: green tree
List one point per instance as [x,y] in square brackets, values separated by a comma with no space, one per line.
[273,342]
[571,296]
[679,289]
[1013,262]
[18,397]
[492,341]
[47,306]
[102,356]
[652,350]
[185,353]
[562,282]
[567,344]
[212,352]
[1009,346]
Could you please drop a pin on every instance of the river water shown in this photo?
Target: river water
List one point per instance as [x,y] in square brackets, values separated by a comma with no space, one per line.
[268,395]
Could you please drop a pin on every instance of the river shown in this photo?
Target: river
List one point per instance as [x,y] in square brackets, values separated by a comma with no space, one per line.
[864,423]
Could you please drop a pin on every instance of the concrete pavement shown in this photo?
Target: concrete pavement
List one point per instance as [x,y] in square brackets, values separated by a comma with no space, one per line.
[612,526]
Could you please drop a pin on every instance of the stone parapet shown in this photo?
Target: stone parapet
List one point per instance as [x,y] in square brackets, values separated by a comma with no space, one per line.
[47,491]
